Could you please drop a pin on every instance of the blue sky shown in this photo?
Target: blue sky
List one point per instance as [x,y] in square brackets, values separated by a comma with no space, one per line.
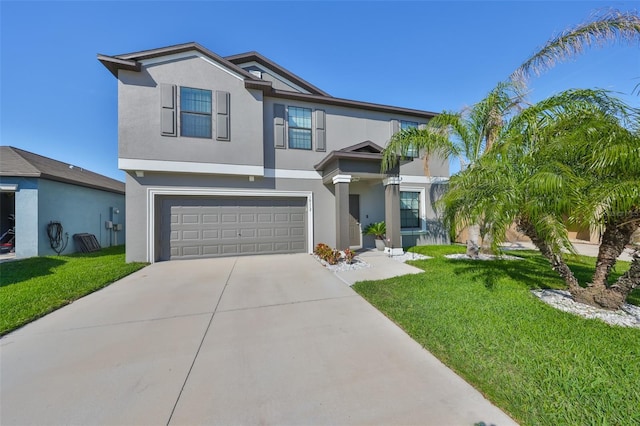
[57,100]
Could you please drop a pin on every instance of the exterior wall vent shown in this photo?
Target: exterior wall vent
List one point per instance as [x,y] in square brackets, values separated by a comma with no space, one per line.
[257,73]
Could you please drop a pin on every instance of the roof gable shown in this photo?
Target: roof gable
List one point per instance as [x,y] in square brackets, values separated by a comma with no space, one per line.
[17,162]
[245,60]
[366,146]
[132,61]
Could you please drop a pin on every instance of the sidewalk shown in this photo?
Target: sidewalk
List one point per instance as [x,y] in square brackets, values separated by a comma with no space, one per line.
[585,249]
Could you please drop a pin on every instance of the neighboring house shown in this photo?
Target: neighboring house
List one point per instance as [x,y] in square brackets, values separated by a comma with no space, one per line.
[38,190]
[238,155]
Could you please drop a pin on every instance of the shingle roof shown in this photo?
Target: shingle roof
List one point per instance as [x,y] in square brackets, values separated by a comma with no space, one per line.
[20,163]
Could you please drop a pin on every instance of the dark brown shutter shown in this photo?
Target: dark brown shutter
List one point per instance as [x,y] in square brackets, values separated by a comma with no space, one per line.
[223,116]
[279,127]
[321,143]
[168,109]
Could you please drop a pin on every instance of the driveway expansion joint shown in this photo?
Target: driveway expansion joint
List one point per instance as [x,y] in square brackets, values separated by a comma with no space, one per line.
[204,336]
[248,308]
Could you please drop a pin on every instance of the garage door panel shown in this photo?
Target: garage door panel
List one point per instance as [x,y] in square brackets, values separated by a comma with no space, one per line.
[189,218]
[247,218]
[228,249]
[265,218]
[219,226]
[190,235]
[210,250]
[190,251]
[297,232]
[229,218]
[210,218]
[265,232]
[210,234]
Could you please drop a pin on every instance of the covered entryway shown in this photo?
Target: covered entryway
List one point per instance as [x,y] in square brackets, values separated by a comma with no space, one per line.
[193,227]
[361,162]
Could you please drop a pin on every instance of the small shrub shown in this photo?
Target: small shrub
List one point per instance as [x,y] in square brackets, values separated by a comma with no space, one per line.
[327,254]
[349,255]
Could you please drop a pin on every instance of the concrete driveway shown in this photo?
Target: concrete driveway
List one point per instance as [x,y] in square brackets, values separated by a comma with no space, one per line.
[248,340]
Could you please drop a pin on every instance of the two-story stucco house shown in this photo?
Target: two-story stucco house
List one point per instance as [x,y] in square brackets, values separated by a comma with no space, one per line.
[237,155]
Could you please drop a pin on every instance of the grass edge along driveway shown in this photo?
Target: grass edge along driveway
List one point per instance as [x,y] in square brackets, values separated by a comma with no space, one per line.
[31,288]
[541,365]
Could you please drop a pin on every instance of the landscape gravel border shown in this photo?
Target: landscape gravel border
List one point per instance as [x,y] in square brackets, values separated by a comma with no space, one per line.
[628,316]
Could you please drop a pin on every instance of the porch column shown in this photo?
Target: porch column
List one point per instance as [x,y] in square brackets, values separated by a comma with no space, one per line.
[392,215]
[341,183]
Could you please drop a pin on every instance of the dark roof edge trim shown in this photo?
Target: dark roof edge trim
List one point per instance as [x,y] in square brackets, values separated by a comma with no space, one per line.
[114,64]
[257,57]
[78,183]
[349,103]
[170,50]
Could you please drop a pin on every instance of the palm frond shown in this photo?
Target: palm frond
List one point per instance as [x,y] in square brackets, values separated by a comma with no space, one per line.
[609,27]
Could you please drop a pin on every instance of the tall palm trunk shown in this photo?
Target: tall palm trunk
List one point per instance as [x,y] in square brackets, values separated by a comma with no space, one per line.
[473,240]
[557,263]
[615,237]
[630,279]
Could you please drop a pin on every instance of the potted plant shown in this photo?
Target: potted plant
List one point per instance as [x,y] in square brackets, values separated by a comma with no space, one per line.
[378,230]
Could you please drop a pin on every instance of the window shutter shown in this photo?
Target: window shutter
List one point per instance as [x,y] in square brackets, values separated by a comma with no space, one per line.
[321,144]
[278,126]
[168,109]
[223,114]
[395,127]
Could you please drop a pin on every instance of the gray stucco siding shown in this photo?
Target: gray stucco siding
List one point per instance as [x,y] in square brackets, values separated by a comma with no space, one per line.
[323,203]
[79,210]
[139,115]
[344,127]
[323,217]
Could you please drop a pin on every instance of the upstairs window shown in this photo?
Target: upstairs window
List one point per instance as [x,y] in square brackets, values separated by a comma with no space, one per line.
[195,112]
[409,210]
[299,127]
[412,151]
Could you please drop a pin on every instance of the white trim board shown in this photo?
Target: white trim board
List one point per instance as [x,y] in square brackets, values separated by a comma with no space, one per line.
[186,191]
[188,167]
[135,164]
[423,179]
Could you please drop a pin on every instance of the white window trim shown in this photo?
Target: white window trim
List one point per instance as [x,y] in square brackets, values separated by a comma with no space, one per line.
[186,191]
[423,209]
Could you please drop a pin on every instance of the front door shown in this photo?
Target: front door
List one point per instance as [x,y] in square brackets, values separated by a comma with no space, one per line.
[355,233]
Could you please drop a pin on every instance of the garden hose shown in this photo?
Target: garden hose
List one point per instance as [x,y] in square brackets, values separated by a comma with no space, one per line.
[54,232]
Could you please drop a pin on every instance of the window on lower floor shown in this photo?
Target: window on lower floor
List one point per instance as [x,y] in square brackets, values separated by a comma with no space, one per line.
[409,210]
[195,112]
[412,151]
[299,120]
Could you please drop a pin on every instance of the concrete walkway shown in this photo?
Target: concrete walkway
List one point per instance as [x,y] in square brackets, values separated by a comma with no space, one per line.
[250,340]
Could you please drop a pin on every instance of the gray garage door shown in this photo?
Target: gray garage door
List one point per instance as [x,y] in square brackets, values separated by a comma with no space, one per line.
[214,226]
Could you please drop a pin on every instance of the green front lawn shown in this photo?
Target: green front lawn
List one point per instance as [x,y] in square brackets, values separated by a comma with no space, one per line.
[31,288]
[541,365]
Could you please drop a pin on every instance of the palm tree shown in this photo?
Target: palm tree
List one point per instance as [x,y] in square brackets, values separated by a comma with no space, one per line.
[605,28]
[575,155]
[466,136]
